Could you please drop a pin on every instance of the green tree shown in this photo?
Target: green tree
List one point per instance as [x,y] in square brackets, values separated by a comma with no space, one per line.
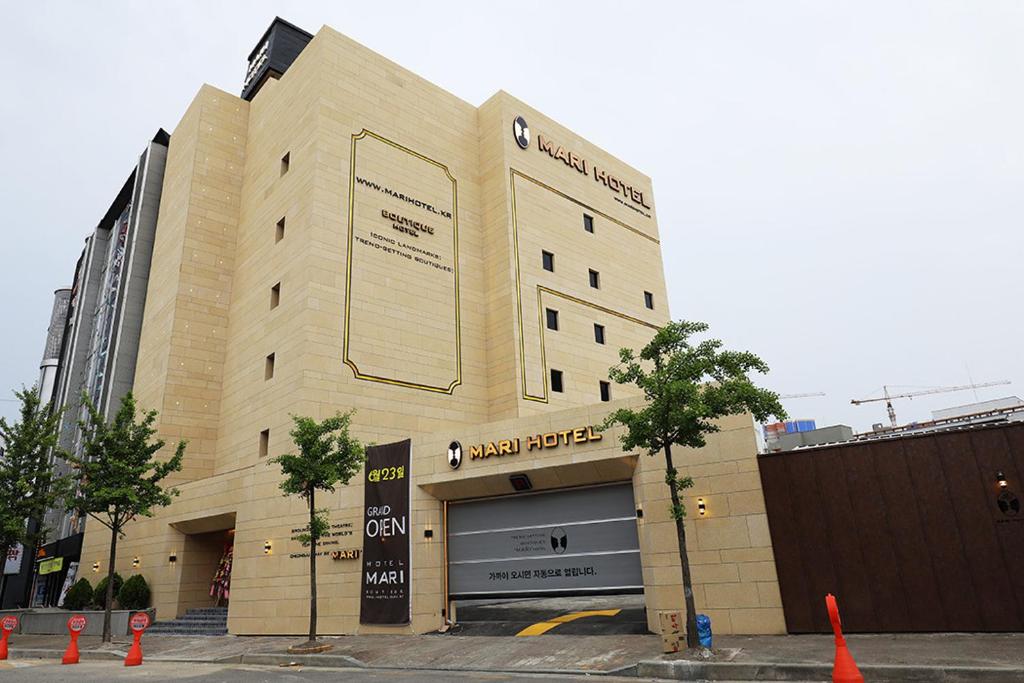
[120,476]
[328,455]
[100,593]
[134,594]
[79,596]
[28,484]
[687,386]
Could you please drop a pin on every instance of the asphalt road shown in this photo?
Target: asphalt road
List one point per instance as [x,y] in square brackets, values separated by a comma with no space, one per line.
[102,672]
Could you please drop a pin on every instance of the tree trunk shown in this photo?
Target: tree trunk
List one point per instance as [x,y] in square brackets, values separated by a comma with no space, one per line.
[312,568]
[684,560]
[109,602]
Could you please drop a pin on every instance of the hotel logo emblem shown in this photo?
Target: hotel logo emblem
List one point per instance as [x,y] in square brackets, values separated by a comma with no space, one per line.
[454,455]
[559,540]
[521,132]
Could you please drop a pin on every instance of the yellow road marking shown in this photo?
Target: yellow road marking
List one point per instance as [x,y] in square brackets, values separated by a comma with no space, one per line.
[544,626]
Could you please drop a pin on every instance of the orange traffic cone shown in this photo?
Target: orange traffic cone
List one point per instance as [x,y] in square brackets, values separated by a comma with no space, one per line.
[845,669]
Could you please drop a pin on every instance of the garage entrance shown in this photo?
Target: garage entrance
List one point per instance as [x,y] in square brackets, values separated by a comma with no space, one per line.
[565,562]
[569,542]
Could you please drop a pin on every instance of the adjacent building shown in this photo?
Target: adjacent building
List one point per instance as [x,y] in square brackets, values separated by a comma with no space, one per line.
[17,572]
[92,345]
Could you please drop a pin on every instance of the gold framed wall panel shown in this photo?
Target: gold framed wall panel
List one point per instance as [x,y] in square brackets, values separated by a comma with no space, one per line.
[457,317]
[542,290]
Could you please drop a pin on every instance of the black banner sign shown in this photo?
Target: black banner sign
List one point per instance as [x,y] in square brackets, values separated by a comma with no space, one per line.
[385,596]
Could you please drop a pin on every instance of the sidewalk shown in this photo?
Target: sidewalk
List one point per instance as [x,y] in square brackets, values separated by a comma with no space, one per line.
[997,657]
[924,657]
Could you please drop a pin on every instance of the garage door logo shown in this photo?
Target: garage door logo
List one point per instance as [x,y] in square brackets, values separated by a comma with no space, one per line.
[454,455]
[521,131]
[559,540]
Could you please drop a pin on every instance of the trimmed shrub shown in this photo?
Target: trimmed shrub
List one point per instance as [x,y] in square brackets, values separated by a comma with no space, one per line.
[134,594]
[100,594]
[79,595]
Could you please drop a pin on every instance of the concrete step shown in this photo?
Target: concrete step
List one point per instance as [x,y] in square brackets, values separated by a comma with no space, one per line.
[169,629]
[192,622]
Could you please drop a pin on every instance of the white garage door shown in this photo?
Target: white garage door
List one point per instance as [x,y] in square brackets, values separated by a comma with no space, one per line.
[567,542]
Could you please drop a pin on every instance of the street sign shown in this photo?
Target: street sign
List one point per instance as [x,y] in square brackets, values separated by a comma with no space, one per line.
[7,626]
[76,624]
[139,622]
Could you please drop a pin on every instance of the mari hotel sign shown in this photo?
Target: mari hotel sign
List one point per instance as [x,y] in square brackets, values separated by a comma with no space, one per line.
[534,442]
[521,132]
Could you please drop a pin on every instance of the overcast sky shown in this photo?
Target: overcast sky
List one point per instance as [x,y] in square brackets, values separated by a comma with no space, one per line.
[840,185]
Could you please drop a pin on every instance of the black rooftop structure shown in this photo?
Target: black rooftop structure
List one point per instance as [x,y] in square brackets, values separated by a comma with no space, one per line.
[275,51]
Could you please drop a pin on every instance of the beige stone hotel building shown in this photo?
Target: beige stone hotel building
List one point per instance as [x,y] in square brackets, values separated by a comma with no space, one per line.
[347,235]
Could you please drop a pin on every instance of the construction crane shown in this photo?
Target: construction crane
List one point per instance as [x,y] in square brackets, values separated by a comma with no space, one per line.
[935,390]
[815,393]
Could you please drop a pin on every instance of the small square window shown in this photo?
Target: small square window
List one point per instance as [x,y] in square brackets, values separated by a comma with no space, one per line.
[649,300]
[275,296]
[588,223]
[548,260]
[595,279]
[286,161]
[268,368]
[552,316]
[279,233]
[599,333]
[606,391]
[264,443]
[556,381]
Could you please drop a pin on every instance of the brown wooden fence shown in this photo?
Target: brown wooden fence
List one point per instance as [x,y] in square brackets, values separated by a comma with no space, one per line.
[910,534]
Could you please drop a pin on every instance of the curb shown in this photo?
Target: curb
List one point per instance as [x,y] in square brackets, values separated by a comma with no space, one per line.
[682,670]
[22,653]
[322,659]
[332,661]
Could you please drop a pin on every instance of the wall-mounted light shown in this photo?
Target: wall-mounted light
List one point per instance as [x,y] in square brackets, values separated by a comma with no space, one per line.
[135,562]
[428,533]
[173,557]
[1001,480]
[639,511]
[95,566]
[702,507]
[267,547]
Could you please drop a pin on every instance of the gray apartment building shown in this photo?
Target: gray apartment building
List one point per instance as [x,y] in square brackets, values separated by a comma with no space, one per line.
[98,346]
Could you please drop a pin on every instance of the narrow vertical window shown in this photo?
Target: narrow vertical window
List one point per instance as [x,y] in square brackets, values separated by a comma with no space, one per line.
[264,443]
[599,333]
[649,300]
[286,161]
[548,260]
[606,391]
[588,223]
[275,296]
[552,316]
[279,233]
[268,367]
[556,381]
[595,279]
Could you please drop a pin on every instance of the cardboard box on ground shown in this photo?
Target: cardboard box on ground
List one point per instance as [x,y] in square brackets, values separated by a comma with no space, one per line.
[672,630]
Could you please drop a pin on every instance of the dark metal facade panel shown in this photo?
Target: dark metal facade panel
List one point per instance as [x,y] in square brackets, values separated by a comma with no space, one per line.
[907,533]
[275,51]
